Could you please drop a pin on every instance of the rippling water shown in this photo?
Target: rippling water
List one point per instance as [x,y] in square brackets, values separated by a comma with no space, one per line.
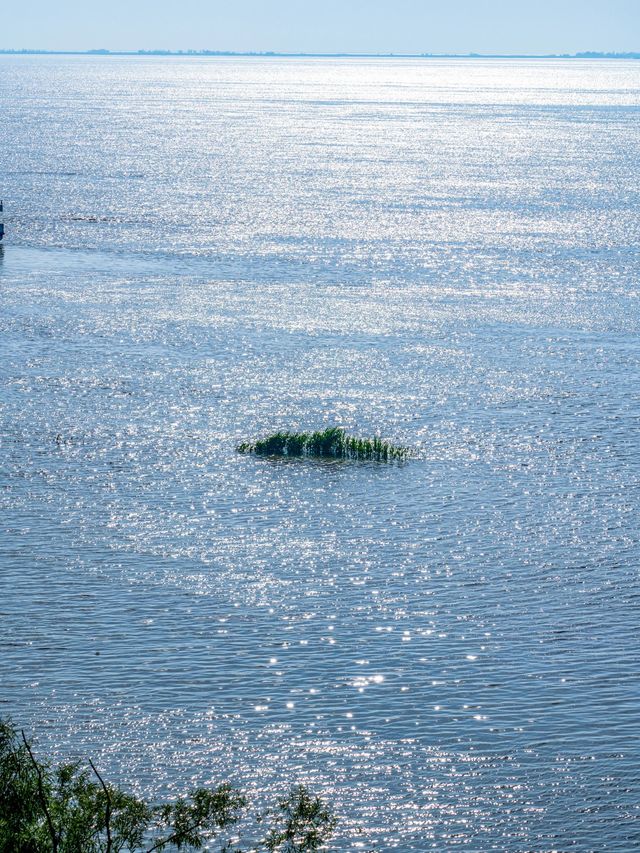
[200,251]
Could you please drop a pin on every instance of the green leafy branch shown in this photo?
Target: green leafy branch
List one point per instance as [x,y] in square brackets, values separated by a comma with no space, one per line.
[71,809]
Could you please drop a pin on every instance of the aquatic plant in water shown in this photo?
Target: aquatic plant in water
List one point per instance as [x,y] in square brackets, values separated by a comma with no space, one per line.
[332,441]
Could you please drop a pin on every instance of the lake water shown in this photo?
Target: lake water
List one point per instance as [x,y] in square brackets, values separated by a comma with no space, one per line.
[201,251]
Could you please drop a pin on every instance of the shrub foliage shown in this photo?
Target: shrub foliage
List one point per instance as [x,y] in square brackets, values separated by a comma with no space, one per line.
[69,808]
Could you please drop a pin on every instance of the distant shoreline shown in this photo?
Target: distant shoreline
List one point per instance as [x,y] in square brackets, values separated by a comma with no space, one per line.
[269,54]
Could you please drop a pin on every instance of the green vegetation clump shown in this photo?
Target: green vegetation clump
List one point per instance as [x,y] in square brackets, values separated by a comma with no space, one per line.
[332,441]
[71,809]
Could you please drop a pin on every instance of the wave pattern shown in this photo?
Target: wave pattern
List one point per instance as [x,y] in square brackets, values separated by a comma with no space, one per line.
[201,250]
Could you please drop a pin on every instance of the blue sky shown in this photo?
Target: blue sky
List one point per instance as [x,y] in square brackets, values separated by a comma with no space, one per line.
[355,26]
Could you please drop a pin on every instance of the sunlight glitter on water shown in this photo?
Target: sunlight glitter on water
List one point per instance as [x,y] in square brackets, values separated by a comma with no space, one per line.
[447,649]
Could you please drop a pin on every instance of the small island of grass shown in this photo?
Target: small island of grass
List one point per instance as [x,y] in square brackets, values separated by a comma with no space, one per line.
[332,441]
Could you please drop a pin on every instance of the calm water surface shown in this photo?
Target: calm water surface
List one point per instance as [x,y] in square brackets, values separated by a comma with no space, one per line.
[200,251]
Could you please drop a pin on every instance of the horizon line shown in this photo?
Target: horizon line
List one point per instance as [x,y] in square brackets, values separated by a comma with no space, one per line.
[588,54]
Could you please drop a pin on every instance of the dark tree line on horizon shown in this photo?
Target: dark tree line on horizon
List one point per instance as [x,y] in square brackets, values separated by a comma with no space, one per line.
[588,54]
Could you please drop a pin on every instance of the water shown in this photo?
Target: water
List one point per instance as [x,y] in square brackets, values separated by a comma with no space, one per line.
[201,251]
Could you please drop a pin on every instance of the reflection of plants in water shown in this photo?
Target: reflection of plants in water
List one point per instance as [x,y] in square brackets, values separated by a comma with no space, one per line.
[332,441]
[71,809]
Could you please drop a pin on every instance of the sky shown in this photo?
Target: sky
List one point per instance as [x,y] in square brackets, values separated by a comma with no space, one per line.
[326,26]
